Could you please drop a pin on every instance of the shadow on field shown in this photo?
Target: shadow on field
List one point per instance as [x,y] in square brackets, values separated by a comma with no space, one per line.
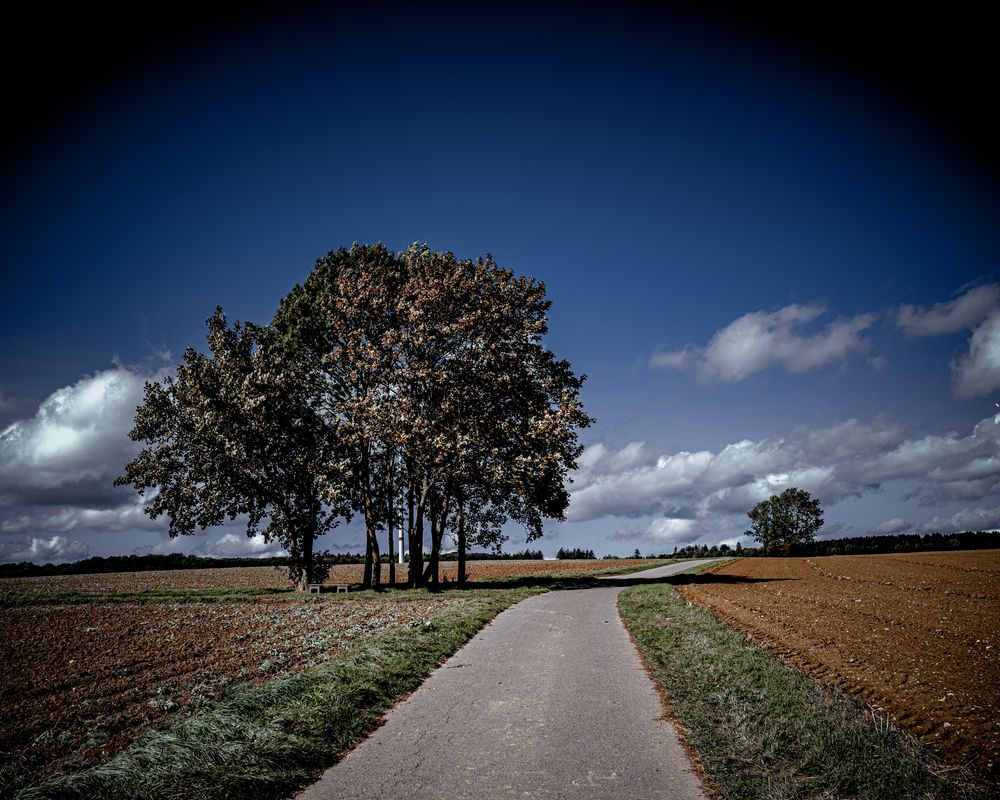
[685,580]
[592,582]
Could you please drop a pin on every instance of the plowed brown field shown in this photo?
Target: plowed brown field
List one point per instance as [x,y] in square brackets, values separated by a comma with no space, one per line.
[915,635]
[81,681]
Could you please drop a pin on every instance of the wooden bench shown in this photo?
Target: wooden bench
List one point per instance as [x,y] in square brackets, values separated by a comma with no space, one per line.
[316,588]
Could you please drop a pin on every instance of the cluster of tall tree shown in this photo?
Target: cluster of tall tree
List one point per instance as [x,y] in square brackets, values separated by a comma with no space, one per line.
[406,388]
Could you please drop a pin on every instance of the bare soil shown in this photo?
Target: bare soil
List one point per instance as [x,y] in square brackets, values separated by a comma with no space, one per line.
[82,681]
[914,635]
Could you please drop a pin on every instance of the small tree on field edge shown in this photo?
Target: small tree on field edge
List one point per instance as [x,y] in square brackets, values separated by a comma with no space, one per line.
[784,522]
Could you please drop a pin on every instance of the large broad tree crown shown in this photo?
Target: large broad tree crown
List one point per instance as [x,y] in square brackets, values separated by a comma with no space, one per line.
[381,370]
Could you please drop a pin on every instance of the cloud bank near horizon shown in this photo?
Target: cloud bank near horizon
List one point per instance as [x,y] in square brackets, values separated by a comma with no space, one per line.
[57,469]
[688,494]
[57,472]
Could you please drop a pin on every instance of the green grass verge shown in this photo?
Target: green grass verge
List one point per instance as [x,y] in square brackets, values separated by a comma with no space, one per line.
[652,563]
[266,742]
[700,568]
[762,730]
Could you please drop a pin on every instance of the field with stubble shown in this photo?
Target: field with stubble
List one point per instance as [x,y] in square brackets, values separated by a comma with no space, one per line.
[914,635]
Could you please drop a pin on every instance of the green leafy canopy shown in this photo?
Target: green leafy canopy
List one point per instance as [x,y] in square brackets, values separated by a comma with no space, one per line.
[784,522]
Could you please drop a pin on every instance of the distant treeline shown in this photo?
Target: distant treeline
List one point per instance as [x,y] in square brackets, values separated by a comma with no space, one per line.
[858,545]
[134,563]
[904,543]
[575,552]
[524,555]
[145,563]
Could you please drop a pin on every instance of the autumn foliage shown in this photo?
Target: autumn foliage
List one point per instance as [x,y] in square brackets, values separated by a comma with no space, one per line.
[406,388]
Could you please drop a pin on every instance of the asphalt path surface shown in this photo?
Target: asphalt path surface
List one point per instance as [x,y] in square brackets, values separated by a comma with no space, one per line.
[550,700]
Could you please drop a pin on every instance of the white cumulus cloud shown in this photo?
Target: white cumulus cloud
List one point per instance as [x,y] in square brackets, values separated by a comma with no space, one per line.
[63,519]
[826,460]
[977,372]
[890,526]
[762,339]
[232,545]
[57,468]
[53,550]
[671,529]
[973,519]
[956,315]
[689,492]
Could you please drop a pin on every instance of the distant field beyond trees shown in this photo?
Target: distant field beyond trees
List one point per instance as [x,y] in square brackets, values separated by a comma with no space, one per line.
[857,545]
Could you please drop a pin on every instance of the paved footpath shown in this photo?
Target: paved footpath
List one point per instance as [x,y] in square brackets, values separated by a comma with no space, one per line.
[550,700]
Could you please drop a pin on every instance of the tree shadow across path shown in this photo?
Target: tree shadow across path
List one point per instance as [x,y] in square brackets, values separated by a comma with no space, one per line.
[557,583]
[683,579]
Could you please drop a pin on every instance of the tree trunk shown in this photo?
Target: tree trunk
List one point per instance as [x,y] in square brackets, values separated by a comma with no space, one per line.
[373,561]
[293,555]
[306,575]
[439,520]
[409,532]
[417,544]
[373,564]
[390,508]
[392,554]
[431,573]
[461,543]
[366,581]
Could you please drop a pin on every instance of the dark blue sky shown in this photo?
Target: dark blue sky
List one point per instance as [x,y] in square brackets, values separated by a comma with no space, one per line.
[666,176]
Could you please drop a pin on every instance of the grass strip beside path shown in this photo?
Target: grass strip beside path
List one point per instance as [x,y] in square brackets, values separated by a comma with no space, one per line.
[762,730]
[267,742]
